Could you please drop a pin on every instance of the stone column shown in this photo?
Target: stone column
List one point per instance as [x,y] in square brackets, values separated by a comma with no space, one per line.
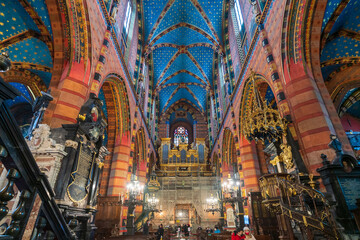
[250,169]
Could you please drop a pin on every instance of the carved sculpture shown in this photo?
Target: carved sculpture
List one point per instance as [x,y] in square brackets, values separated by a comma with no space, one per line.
[286,156]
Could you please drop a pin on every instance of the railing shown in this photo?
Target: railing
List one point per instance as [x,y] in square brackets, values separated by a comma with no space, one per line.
[305,205]
[144,216]
[37,196]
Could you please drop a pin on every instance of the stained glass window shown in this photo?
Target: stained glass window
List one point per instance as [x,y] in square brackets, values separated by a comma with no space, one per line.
[181,136]
[127,19]
[238,14]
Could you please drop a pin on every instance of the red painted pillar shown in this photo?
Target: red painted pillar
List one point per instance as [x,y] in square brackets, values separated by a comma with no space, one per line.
[311,119]
[119,167]
[250,170]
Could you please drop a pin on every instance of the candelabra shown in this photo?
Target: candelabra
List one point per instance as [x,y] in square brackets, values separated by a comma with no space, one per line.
[151,205]
[212,205]
[134,191]
[232,195]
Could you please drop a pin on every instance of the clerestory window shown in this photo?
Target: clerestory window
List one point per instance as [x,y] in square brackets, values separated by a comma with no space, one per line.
[127,20]
[238,15]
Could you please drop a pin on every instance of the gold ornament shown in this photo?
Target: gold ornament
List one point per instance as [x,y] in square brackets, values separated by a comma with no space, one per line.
[262,122]
[286,156]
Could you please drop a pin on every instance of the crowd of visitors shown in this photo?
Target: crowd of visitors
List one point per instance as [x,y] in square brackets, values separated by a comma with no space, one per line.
[185,230]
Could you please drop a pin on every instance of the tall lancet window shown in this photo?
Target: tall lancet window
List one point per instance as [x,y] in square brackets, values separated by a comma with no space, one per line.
[238,15]
[181,136]
[239,29]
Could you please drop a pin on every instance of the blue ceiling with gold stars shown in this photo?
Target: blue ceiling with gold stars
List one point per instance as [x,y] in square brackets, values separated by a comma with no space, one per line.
[340,39]
[21,26]
[341,34]
[186,32]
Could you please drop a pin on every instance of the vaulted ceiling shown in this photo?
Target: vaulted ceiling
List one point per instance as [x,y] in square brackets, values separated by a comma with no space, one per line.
[181,39]
[340,55]
[26,35]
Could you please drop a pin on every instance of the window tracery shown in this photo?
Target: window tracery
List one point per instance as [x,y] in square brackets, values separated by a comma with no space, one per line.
[181,136]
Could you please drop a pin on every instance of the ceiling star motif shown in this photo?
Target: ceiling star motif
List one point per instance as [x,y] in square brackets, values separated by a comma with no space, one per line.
[340,50]
[26,35]
[182,37]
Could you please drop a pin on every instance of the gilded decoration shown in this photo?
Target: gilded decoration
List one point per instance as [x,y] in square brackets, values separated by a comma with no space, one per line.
[261,121]
[280,193]
[184,159]
[284,157]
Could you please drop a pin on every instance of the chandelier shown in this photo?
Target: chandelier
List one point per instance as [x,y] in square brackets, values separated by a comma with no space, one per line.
[134,190]
[231,191]
[212,205]
[151,204]
[263,122]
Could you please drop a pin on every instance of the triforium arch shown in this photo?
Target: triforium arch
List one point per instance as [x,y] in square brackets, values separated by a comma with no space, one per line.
[116,106]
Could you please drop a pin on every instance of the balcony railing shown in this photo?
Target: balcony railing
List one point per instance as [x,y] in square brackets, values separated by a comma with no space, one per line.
[284,194]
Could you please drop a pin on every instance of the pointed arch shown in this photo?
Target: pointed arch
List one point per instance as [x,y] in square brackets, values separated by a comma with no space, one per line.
[140,146]
[178,72]
[228,149]
[121,102]
[23,76]
[114,96]
[247,96]
[187,25]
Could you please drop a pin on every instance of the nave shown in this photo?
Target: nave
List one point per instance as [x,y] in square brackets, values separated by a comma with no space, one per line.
[130,119]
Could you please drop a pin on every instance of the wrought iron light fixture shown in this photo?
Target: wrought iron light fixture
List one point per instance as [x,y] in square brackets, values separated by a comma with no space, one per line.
[134,191]
[232,195]
[231,190]
[212,205]
[151,204]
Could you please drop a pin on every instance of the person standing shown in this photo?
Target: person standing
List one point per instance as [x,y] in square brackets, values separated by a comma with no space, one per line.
[160,232]
[235,236]
[248,235]
[241,234]
[178,231]
[146,228]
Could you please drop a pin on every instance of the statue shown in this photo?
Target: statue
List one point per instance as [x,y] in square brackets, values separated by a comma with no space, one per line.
[286,156]
[337,146]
